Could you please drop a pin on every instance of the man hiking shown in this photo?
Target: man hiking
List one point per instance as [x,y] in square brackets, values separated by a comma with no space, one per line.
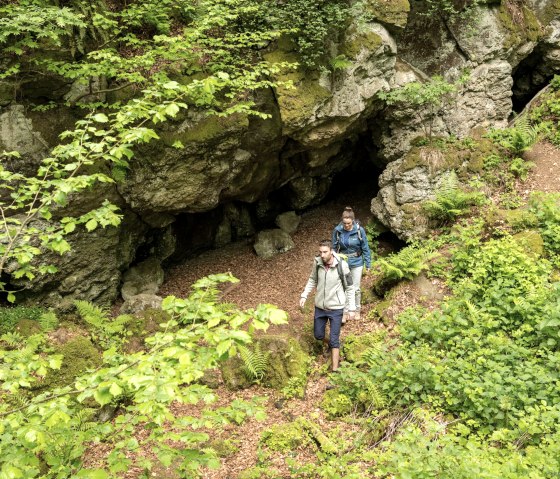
[331,276]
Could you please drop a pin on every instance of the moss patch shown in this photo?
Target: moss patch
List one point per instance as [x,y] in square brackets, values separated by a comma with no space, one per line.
[299,103]
[208,130]
[286,437]
[531,241]
[390,12]
[355,346]
[79,356]
[336,404]
[28,327]
[518,218]
[520,23]
[355,42]
[462,156]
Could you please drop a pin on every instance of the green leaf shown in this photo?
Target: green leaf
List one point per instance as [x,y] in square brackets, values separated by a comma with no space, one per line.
[103,396]
[91,225]
[100,118]
[115,390]
[11,297]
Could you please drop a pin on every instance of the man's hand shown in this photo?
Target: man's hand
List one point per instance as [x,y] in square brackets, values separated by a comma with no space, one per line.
[351,314]
[301,302]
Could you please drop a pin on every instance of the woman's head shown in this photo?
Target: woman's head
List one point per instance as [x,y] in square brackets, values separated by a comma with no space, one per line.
[348,218]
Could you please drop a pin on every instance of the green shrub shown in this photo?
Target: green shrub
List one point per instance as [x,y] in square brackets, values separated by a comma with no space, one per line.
[286,437]
[336,404]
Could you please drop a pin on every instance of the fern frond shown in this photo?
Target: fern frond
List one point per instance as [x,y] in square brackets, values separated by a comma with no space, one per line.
[255,362]
[13,340]
[91,313]
[48,321]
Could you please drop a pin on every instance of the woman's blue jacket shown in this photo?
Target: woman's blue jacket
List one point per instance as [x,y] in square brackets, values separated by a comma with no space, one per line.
[356,250]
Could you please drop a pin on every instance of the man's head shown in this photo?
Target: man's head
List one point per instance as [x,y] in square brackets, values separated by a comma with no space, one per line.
[325,250]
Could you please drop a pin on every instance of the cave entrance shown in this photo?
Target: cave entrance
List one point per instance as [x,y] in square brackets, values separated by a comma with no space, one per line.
[529,77]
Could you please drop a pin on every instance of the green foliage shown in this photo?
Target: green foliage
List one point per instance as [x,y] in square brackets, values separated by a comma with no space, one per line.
[424,100]
[453,11]
[255,362]
[406,264]
[219,45]
[451,456]
[313,25]
[107,331]
[518,138]
[11,316]
[546,207]
[450,200]
[372,234]
[198,336]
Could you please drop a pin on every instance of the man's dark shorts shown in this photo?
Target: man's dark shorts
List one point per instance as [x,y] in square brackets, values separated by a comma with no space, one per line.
[322,316]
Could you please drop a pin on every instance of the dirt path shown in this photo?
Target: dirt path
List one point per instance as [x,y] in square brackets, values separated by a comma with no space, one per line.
[545,176]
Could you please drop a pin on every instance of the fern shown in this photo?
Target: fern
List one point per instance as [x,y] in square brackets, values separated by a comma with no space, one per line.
[450,201]
[255,362]
[12,340]
[518,138]
[90,313]
[372,356]
[405,264]
[107,331]
[48,321]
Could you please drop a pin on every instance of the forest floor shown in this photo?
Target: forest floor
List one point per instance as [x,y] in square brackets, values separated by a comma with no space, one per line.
[280,281]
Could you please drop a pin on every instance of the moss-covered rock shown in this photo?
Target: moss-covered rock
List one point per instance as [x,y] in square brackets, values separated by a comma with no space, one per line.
[27,327]
[80,355]
[357,40]
[302,95]
[209,129]
[286,359]
[521,24]
[517,219]
[388,12]
[532,241]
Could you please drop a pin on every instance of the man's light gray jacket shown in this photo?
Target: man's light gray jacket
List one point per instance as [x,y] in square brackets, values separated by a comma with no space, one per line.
[330,290]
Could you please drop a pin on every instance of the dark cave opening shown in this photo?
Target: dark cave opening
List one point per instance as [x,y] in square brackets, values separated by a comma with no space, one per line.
[529,77]
[238,221]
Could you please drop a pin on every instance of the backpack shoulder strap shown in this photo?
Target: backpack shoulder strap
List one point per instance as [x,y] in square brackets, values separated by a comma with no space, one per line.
[341,274]
[359,231]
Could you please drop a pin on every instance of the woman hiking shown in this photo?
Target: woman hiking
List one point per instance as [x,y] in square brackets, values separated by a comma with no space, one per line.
[349,239]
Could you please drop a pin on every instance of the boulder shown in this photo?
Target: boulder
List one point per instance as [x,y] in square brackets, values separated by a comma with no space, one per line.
[269,243]
[288,222]
[140,302]
[144,278]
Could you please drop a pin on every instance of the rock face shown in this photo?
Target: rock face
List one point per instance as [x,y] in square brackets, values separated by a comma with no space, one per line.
[242,171]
